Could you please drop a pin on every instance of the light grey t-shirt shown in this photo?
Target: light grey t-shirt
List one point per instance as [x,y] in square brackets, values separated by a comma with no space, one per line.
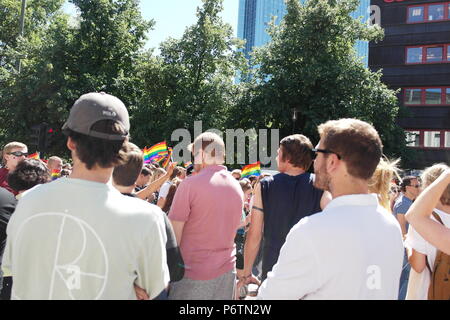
[76,239]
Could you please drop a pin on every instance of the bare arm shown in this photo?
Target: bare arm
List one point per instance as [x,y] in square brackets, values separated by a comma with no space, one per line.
[417,261]
[254,236]
[155,185]
[161,202]
[178,230]
[402,221]
[419,214]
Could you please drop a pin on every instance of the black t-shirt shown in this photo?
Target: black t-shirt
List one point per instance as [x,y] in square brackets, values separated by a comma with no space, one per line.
[286,200]
[175,261]
[7,206]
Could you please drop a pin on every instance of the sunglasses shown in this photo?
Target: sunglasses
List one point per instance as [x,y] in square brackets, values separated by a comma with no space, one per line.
[415,186]
[315,151]
[18,153]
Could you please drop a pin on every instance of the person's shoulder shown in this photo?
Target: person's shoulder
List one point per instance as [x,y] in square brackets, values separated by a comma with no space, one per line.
[312,222]
[135,209]
[42,191]
[6,196]
[387,215]
[3,172]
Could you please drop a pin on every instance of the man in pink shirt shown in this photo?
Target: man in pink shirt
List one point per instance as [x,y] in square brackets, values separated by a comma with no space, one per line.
[205,215]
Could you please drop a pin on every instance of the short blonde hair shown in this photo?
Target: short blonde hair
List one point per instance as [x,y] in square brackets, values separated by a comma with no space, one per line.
[212,144]
[431,174]
[158,173]
[11,146]
[237,171]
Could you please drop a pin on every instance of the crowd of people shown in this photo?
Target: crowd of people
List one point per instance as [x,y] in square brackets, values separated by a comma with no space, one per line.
[109,226]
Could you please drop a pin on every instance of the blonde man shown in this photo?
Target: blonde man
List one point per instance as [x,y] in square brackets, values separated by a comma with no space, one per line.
[13,153]
[205,215]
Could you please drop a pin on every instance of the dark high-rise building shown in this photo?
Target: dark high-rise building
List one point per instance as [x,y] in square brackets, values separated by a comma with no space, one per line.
[415,58]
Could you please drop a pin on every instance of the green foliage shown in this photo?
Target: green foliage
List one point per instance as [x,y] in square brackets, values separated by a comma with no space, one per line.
[62,60]
[192,79]
[311,66]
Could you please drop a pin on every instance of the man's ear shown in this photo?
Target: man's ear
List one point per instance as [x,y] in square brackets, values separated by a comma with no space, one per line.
[333,163]
[70,144]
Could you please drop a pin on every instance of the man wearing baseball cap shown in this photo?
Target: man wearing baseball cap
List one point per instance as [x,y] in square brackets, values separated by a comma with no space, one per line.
[79,238]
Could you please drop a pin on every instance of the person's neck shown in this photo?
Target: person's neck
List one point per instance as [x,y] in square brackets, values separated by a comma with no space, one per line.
[210,165]
[97,174]
[348,186]
[409,196]
[294,171]
[122,189]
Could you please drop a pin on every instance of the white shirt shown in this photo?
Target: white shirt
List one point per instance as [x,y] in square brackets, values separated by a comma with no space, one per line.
[164,191]
[76,239]
[415,241]
[351,250]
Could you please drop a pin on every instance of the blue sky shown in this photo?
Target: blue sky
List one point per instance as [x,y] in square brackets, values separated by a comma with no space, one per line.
[173,16]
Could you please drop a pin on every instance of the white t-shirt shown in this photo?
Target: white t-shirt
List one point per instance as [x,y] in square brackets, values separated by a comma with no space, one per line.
[415,241]
[351,250]
[164,191]
[76,239]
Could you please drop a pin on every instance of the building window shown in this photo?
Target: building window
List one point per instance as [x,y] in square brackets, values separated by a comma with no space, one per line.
[432,139]
[436,12]
[447,139]
[413,96]
[414,55]
[428,54]
[433,96]
[415,14]
[412,138]
[427,96]
[434,54]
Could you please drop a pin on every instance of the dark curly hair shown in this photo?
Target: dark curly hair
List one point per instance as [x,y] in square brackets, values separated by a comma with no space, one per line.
[28,173]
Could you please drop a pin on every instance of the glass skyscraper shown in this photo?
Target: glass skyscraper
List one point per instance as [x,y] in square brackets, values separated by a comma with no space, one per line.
[255,15]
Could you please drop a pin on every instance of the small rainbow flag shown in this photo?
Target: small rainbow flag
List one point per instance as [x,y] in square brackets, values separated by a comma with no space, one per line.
[55,174]
[155,153]
[34,156]
[253,169]
[168,158]
[187,164]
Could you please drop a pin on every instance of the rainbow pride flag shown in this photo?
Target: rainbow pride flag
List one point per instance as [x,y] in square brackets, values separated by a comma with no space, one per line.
[253,169]
[56,174]
[35,155]
[168,158]
[155,153]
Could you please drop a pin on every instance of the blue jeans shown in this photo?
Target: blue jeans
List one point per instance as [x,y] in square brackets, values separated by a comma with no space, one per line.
[404,278]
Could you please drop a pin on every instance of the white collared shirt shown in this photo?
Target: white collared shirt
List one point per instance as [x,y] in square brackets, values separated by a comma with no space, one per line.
[351,250]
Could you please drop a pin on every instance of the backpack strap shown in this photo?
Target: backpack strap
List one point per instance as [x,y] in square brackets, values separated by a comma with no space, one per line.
[438,218]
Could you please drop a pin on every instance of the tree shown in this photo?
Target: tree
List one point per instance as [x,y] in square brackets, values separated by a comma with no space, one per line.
[99,53]
[311,66]
[192,79]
